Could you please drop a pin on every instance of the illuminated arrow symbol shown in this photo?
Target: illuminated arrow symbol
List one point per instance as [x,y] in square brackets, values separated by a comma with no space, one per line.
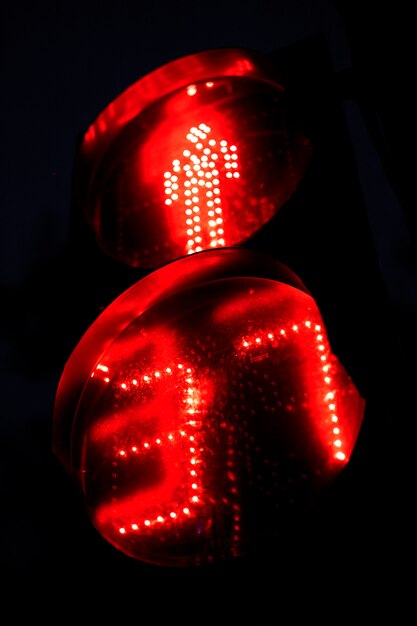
[195,185]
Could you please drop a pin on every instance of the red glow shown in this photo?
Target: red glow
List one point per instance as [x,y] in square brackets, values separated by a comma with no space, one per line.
[132,188]
[210,412]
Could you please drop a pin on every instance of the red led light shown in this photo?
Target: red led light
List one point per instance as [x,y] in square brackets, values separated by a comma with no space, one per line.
[200,153]
[202,403]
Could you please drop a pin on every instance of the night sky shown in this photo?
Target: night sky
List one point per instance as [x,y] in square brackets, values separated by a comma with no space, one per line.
[62,63]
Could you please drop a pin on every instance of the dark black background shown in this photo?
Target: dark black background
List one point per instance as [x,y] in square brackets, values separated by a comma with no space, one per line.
[349,73]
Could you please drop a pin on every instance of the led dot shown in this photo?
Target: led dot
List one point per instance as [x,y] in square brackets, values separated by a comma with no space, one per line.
[219,220]
[223,150]
[210,203]
[187,192]
[327,379]
[198,249]
[213,244]
[335,418]
[168,370]
[340,455]
[190,242]
[186,153]
[223,143]
[245,343]
[212,233]
[270,336]
[191,90]
[123,386]
[107,380]
[332,407]
[134,449]
[180,366]
[233,148]
[321,347]
[193,461]
[212,142]
[190,231]
[196,218]
[199,145]
[329,396]
[159,518]
[198,239]
[323,358]
[122,453]
[217,200]
[167,183]
[186,511]
[167,174]
[227,166]
[234,164]
[135,527]
[168,191]
[189,222]
[336,431]
[191,438]
[173,515]
[229,175]
[216,190]
[210,213]
[234,156]
[197,228]
[170,437]
[220,231]
[134,381]
[188,211]
[196,209]
[175,186]
[122,531]
[317,327]
[258,340]
[194,499]
[295,327]
[319,337]
[174,196]
[194,486]
[189,173]
[158,441]
[218,210]
[326,368]
[236,175]
[221,242]
[146,444]
[193,473]
[337,443]
[212,223]
[175,162]
[214,156]
[227,157]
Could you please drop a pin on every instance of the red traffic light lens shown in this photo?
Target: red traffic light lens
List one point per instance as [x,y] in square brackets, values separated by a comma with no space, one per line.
[200,405]
[198,154]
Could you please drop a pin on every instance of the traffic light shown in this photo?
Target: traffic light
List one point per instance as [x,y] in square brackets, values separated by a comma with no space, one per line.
[220,390]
